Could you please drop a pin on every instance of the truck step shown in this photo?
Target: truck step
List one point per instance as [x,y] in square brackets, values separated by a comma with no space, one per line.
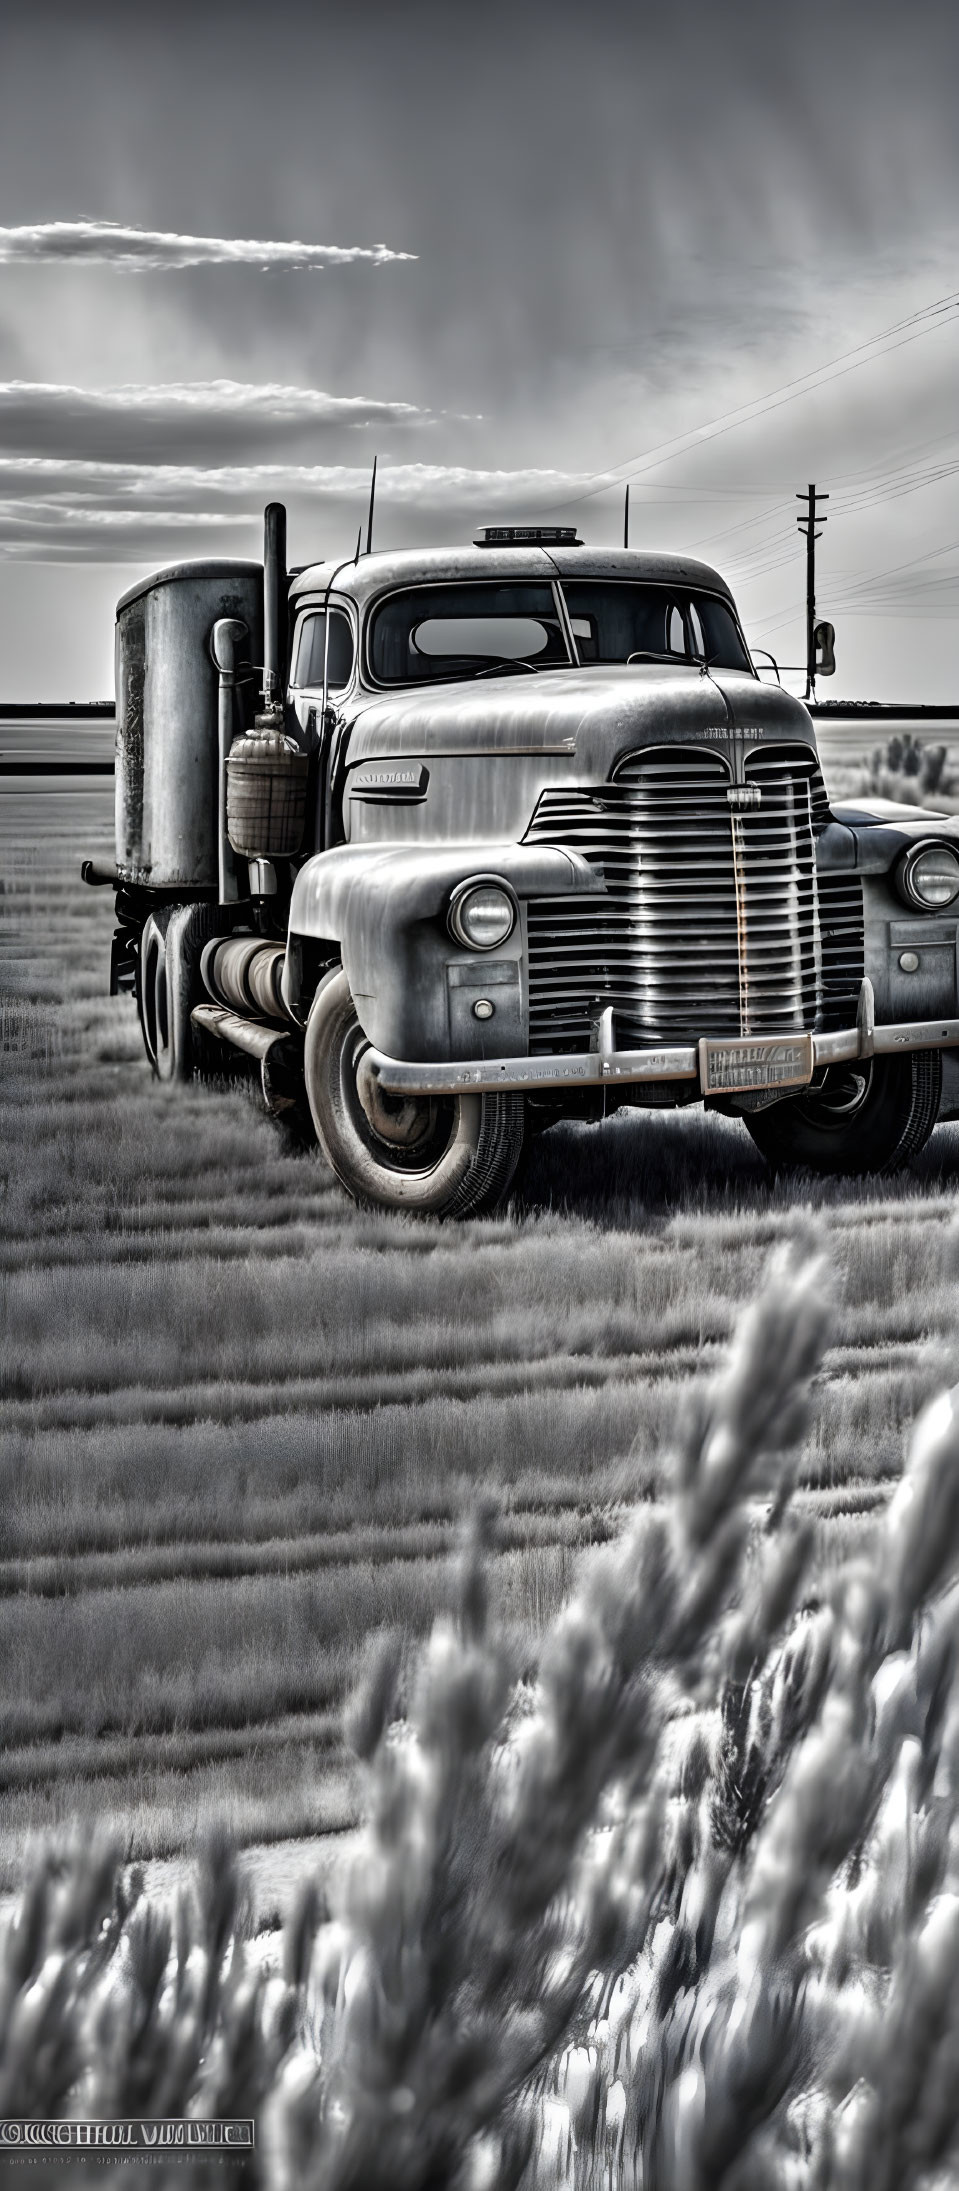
[252,1035]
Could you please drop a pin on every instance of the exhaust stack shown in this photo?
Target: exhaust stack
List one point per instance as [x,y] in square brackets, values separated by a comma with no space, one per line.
[274,604]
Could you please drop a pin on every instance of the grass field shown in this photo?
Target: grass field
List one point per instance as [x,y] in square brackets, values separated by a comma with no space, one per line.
[242,1421]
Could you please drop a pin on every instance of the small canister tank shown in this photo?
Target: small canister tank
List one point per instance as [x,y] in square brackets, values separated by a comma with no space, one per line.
[167,752]
[266,793]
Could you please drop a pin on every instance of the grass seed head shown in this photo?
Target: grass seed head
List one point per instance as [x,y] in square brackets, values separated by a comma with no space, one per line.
[922,1524]
[372,1704]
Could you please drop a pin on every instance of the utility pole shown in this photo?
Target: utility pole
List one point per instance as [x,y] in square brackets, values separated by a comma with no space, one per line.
[807,525]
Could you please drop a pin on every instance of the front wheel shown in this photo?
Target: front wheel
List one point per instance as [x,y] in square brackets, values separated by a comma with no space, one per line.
[434,1156]
[869,1116]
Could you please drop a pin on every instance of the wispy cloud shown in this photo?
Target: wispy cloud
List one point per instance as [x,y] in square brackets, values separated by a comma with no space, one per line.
[35,402]
[210,418]
[56,532]
[156,250]
[271,399]
[157,484]
[54,509]
[47,516]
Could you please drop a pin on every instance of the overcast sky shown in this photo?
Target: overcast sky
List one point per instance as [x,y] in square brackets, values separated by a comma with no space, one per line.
[524,253]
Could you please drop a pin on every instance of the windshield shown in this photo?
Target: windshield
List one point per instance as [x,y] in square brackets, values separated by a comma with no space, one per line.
[431,633]
[435,632]
[615,618]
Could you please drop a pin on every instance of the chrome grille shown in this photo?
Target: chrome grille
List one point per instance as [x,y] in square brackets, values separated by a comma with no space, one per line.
[714,920]
[843,948]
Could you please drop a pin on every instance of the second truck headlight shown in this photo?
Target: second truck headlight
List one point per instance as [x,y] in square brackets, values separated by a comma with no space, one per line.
[482,915]
[929,877]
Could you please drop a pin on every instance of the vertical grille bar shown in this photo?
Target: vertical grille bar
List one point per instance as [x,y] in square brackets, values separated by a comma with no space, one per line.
[742,928]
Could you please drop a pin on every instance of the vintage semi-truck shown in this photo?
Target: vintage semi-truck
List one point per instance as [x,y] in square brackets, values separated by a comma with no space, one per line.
[458,843]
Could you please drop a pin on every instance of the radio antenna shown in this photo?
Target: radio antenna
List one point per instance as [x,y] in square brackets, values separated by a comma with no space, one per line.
[626,519]
[369,522]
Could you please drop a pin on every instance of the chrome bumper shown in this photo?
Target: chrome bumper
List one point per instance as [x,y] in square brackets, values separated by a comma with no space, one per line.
[605,1066]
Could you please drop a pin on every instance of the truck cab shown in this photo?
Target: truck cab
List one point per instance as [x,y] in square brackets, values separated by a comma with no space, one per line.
[519,834]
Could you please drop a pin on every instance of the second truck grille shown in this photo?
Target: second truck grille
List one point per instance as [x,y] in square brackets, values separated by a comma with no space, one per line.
[714,921]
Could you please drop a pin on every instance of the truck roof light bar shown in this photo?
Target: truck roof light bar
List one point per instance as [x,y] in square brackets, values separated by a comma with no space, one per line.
[527,536]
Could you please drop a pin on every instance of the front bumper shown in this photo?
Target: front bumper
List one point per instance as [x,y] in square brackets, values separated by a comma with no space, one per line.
[799,1056]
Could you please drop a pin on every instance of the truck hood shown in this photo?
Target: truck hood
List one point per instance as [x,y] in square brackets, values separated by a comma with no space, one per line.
[597,715]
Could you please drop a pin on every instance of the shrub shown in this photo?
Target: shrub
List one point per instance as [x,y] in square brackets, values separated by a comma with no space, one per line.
[908,771]
[679,1907]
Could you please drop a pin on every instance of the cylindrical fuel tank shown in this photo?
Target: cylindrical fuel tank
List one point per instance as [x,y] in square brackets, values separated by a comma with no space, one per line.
[166,690]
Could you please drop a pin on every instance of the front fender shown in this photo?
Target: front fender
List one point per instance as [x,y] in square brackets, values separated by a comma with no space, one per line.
[384,909]
[911,956]
[870,835]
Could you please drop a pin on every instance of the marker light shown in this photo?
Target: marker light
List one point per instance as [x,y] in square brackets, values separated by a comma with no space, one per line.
[527,536]
[482,915]
[929,877]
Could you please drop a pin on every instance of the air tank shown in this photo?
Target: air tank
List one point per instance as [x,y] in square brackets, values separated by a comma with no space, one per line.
[167,831]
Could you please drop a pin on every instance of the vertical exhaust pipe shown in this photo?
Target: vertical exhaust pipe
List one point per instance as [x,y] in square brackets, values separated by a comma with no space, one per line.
[274,604]
[226,639]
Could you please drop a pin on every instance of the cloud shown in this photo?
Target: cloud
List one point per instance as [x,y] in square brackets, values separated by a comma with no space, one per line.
[155,250]
[45,516]
[140,420]
[56,532]
[435,485]
[51,509]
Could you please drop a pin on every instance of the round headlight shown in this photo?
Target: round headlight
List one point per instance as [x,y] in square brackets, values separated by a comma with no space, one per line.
[482,915]
[930,877]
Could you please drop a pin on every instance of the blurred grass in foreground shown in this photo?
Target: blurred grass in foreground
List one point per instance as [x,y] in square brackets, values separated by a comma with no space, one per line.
[677,1906]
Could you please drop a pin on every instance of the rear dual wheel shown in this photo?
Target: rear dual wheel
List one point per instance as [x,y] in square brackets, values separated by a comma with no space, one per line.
[436,1156]
[865,1117]
[153,1002]
[168,986]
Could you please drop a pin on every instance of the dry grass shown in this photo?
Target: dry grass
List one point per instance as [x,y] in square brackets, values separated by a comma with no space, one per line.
[229,1399]
[674,1904]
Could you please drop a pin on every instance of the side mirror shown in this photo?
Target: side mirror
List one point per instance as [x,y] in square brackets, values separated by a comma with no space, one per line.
[227,635]
[824,642]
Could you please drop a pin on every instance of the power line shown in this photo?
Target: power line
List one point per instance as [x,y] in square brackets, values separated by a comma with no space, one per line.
[927,320]
[929,555]
[878,486]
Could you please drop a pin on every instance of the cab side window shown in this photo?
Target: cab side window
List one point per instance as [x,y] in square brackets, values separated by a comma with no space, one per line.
[309,649]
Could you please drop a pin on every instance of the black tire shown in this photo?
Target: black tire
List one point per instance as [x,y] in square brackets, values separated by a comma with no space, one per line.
[152,1000]
[447,1156]
[168,987]
[865,1117]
